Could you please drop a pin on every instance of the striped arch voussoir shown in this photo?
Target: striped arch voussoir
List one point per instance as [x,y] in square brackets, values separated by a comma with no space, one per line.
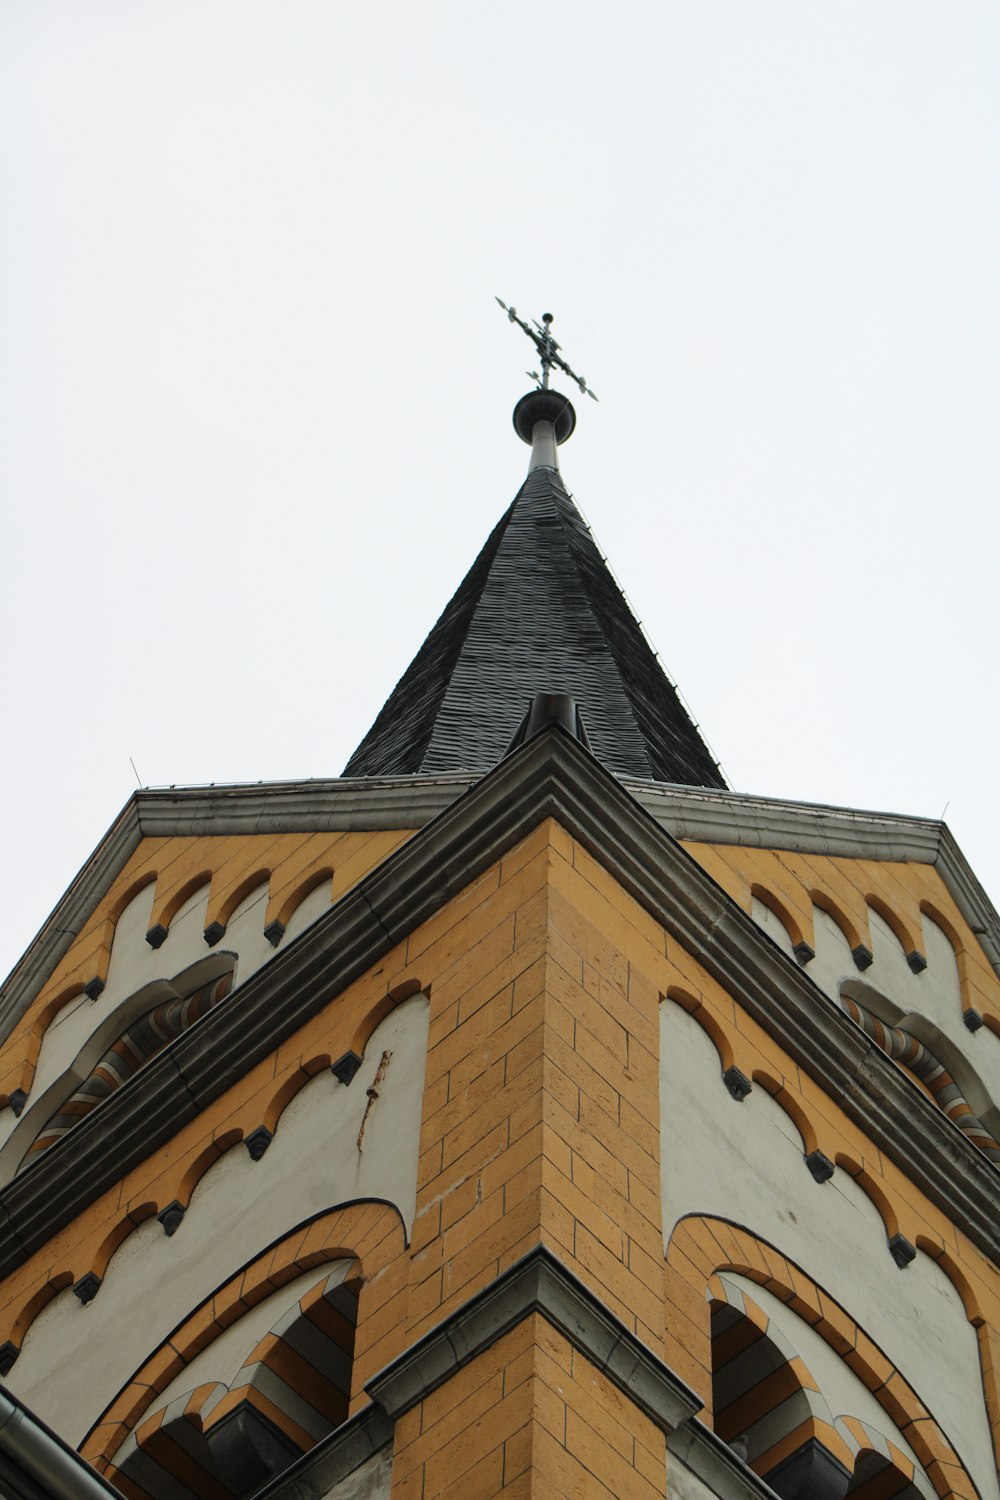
[369,1234]
[714,1246]
[781,1412]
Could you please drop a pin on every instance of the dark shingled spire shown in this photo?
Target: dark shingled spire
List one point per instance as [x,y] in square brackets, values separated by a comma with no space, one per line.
[537,612]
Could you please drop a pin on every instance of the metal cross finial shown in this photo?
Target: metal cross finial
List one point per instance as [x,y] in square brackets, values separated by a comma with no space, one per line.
[540,335]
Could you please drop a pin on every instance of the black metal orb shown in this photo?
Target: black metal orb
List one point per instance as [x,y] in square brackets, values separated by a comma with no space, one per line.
[544,406]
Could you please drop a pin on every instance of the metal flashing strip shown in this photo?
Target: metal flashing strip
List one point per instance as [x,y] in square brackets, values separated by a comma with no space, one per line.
[552,776]
[699,1449]
[353,1443]
[36,1463]
[539,1282]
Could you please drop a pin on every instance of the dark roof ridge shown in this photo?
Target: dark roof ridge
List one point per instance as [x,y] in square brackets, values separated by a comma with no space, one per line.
[645,644]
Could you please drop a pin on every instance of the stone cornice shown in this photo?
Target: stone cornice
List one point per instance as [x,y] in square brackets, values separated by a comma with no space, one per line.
[551,776]
[539,1282]
[688,813]
[314,1475]
[709,817]
[697,1447]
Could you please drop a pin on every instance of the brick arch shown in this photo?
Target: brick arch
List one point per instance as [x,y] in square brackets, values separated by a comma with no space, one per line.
[900,930]
[119,1233]
[36,1303]
[290,901]
[773,1401]
[875,1194]
[786,1102]
[293,1385]
[930,1072]
[316,1062]
[374,1017]
[221,907]
[172,901]
[140,1041]
[308,1069]
[707,1245]
[204,1162]
[878,1466]
[824,902]
[778,907]
[103,938]
[699,1012]
[370,1232]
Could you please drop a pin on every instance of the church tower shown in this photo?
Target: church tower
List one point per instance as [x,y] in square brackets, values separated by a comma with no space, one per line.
[523,1113]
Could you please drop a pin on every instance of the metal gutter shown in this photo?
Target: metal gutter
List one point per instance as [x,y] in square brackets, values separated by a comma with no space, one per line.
[35,1462]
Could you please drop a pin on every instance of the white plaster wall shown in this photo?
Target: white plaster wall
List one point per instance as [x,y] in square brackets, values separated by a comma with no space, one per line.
[772,925]
[134,972]
[841,1389]
[245,934]
[75,1359]
[834,962]
[747,1166]
[307,912]
[929,1003]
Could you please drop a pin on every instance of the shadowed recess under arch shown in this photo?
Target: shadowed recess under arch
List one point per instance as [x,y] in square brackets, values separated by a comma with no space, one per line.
[229,1437]
[140,1042]
[918,1059]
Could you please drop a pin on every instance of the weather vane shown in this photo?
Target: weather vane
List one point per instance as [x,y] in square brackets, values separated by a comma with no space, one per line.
[540,335]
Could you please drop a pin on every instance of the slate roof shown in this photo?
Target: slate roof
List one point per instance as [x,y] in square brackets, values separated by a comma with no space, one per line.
[537,612]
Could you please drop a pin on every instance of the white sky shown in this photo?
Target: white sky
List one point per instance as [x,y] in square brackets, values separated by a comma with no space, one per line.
[255,393]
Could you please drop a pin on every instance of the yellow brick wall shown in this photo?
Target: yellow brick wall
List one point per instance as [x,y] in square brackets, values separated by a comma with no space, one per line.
[530,1417]
[540,1126]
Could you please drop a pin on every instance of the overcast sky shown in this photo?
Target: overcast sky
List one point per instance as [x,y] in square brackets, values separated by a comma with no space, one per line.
[255,392]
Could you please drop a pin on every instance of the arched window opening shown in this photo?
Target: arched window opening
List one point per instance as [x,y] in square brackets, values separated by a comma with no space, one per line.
[918,1059]
[138,1044]
[768,1410]
[878,1478]
[227,1441]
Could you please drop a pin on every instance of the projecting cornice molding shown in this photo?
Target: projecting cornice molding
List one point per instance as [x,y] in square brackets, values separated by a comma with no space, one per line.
[691,814]
[552,776]
[539,1282]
